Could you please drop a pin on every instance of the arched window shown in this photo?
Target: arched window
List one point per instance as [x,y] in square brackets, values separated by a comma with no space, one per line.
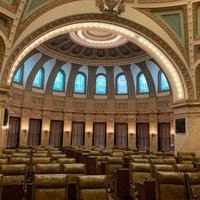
[101,84]
[59,81]
[142,84]
[79,85]
[38,80]
[163,84]
[18,76]
[122,87]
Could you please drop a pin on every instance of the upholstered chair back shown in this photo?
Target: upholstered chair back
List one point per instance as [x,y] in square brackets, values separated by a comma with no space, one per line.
[1,185]
[140,171]
[140,160]
[74,170]
[193,184]
[52,168]
[184,168]
[66,160]
[19,160]
[161,168]
[91,187]
[3,161]
[14,174]
[113,163]
[50,187]
[40,154]
[16,154]
[169,160]
[40,160]
[171,185]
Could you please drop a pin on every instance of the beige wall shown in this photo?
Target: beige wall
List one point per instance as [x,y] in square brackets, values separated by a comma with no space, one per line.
[128,111]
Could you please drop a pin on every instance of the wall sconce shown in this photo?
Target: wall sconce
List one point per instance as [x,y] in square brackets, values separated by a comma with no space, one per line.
[172,138]
[5,127]
[109,134]
[88,133]
[153,135]
[67,133]
[46,132]
[25,131]
[132,134]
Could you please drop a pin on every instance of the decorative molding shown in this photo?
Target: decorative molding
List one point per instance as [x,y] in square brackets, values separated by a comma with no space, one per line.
[155,1]
[78,60]
[37,100]
[195,21]
[114,20]
[13,8]
[2,52]
[121,106]
[18,97]
[100,106]
[149,13]
[40,12]
[58,103]
[142,105]
[8,24]
[162,104]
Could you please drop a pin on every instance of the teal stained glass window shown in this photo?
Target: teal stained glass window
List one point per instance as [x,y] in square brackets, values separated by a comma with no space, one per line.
[163,82]
[79,85]
[59,82]
[122,87]
[38,79]
[142,84]
[18,75]
[100,84]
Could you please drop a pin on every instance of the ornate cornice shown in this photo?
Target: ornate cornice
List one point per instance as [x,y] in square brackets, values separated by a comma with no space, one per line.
[195,21]
[2,48]
[148,12]
[12,8]
[155,1]
[7,27]
[38,13]
[91,62]
[113,20]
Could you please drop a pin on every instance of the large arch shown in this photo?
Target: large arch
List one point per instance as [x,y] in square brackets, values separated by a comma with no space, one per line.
[171,70]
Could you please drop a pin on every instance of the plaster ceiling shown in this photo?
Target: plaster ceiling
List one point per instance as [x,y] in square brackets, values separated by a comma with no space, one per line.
[93,44]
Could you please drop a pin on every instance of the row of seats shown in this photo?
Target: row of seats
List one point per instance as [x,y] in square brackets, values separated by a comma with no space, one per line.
[141,171]
[55,187]
[178,186]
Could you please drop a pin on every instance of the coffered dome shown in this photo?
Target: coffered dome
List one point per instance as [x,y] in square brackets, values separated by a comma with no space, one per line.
[94,47]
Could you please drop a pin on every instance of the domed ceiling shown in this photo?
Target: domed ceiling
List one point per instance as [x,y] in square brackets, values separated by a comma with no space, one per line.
[93,47]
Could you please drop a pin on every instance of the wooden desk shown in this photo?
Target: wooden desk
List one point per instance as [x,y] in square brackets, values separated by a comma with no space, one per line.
[72,191]
[122,183]
[147,189]
[16,192]
[91,165]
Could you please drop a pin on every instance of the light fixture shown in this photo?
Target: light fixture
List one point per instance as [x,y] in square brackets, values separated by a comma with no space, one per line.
[153,135]
[67,133]
[109,133]
[111,7]
[88,133]
[132,134]
[25,131]
[46,132]
[5,127]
